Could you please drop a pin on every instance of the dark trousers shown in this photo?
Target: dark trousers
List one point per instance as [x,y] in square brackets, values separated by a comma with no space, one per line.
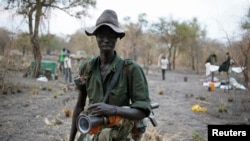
[68,75]
[61,67]
[163,71]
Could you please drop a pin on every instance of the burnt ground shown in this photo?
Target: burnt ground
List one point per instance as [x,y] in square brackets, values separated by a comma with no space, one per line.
[41,116]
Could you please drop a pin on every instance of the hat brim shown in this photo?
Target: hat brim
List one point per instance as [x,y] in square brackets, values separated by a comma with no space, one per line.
[92,30]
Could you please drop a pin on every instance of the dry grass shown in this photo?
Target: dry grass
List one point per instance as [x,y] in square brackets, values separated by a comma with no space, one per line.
[152,134]
[35,90]
[68,112]
[160,91]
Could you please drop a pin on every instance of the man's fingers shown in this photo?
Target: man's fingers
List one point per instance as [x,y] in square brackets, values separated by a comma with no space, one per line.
[92,106]
[96,113]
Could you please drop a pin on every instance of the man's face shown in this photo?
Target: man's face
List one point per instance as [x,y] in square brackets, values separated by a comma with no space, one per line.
[106,39]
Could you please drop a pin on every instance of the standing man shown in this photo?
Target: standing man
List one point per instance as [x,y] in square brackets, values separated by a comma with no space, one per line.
[164,66]
[225,66]
[61,60]
[129,97]
[67,67]
[211,60]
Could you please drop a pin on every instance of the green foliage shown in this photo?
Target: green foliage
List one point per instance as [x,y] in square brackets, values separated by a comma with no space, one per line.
[179,38]
[52,42]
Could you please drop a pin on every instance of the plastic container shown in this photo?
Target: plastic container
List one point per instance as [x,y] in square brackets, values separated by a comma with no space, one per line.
[211,86]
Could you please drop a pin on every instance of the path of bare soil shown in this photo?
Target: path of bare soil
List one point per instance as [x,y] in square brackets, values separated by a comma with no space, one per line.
[27,116]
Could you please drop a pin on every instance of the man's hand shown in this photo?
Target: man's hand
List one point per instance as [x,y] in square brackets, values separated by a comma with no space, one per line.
[102,109]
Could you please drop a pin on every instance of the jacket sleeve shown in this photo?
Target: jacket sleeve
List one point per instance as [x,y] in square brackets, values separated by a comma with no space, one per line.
[138,88]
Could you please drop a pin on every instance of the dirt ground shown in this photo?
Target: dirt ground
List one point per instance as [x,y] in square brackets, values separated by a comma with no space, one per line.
[38,111]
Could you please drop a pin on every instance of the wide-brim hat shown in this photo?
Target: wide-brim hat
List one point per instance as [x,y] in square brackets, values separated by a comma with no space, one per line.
[107,18]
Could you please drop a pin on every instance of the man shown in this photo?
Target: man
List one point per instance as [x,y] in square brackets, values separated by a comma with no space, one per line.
[130,89]
[225,66]
[67,67]
[61,60]
[211,60]
[164,66]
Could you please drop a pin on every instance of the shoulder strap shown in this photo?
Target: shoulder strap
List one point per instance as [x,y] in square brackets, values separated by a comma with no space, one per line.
[113,81]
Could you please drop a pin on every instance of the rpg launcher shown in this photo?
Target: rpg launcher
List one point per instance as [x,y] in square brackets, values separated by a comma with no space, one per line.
[152,115]
[86,122]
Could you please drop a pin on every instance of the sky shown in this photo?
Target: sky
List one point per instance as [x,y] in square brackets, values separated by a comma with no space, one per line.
[220,18]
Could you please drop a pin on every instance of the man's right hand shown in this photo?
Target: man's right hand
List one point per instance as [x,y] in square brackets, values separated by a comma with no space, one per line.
[102,109]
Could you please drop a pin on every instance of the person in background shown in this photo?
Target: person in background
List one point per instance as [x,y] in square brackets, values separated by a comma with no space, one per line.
[129,97]
[225,66]
[164,66]
[61,60]
[211,60]
[67,67]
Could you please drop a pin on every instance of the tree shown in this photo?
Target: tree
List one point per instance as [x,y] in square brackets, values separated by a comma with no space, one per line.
[189,34]
[168,38]
[134,33]
[179,37]
[80,41]
[147,52]
[23,42]
[245,47]
[4,39]
[35,10]
[51,42]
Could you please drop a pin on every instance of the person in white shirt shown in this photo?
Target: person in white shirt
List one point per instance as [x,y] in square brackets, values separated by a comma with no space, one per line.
[164,66]
[67,67]
[210,61]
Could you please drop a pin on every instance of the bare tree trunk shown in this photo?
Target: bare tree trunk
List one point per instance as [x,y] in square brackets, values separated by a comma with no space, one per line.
[174,56]
[23,50]
[170,57]
[192,59]
[134,52]
[37,57]
[197,59]
[34,36]
[245,71]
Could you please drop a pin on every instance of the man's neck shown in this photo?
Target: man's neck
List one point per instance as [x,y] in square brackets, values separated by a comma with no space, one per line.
[106,58]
